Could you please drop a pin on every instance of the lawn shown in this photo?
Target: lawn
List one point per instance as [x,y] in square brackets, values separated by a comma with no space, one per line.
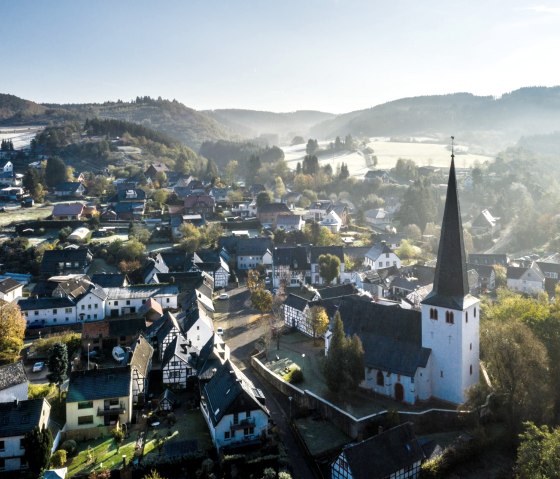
[39,212]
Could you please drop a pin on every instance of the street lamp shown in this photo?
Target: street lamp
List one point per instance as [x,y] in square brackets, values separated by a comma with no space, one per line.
[302,361]
[290,399]
[88,356]
[124,461]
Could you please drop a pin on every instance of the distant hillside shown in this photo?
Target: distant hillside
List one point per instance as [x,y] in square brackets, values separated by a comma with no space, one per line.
[17,111]
[252,123]
[486,121]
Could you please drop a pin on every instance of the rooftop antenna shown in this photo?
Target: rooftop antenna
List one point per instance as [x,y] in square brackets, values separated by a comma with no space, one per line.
[452,148]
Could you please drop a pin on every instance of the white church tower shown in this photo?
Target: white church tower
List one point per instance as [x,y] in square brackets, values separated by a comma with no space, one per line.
[450,315]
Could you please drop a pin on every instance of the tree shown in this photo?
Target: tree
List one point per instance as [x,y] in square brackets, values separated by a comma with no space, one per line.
[312,146]
[318,321]
[329,267]
[55,172]
[335,356]
[139,233]
[279,188]
[191,237]
[254,281]
[349,142]
[131,250]
[310,165]
[118,436]
[160,196]
[37,444]
[230,171]
[263,198]
[344,173]
[538,454]
[153,475]
[12,332]
[279,236]
[32,182]
[261,300]
[519,369]
[354,361]
[58,459]
[58,364]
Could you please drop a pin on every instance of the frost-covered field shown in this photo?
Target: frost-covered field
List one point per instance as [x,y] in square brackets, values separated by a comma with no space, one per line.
[21,136]
[388,152]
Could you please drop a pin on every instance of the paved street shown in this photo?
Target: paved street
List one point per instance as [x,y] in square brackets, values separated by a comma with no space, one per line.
[242,328]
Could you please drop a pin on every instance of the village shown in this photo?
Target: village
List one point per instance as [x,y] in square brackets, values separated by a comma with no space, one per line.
[195,321]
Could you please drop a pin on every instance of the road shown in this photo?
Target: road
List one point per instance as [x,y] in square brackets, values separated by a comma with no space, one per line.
[242,329]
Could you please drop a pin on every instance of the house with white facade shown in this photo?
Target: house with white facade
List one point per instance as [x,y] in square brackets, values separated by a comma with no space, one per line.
[40,312]
[163,332]
[318,210]
[99,397]
[252,252]
[394,453]
[381,256]
[14,385]
[17,418]
[129,299]
[291,266]
[290,223]
[529,280]
[315,253]
[10,290]
[332,221]
[233,408]
[178,363]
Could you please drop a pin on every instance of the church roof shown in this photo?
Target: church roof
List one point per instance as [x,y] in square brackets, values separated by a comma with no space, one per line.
[451,285]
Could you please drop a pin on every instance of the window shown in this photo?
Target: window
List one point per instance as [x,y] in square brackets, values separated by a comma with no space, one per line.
[85,420]
[248,414]
[235,418]
[83,307]
[68,310]
[2,445]
[113,402]
[475,312]
[54,311]
[36,313]
[116,303]
[2,462]
[466,316]
[470,367]
[470,347]
[89,306]
[381,264]
[226,435]
[248,431]
[67,319]
[128,302]
[85,405]
[386,255]
[167,300]
[380,379]
[449,317]
[21,446]
[433,313]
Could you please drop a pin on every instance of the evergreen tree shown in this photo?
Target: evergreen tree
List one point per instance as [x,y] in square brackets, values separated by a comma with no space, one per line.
[344,173]
[355,361]
[263,198]
[312,147]
[310,165]
[349,142]
[55,172]
[37,444]
[58,364]
[335,357]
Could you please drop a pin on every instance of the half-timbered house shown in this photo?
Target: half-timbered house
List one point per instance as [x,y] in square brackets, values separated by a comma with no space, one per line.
[140,361]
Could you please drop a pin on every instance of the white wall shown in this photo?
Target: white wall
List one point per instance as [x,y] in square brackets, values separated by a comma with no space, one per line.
[92,307]
[50,317]
[72,413]
[12,295]
[19,391]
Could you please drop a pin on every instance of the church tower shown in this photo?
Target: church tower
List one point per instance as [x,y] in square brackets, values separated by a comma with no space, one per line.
[450,315]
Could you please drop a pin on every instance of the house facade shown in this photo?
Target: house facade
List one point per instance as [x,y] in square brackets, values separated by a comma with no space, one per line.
[10,290]
[14,385]
[129,299]
[529,280]
[381,256]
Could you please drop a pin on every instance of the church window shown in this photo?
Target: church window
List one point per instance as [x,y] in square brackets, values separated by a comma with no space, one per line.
[466,317]
[449,317]
[441,374]
[380,379]
[433,313]
[470,367]
[475,312]
[470,347]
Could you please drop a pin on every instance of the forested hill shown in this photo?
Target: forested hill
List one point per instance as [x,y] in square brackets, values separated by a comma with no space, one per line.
[480,119]
[253,123]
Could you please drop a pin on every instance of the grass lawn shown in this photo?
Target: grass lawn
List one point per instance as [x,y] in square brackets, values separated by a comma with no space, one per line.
[39,212]
[321,436]
[190,425]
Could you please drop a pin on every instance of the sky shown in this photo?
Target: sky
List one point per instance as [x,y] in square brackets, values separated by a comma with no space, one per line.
[285,55]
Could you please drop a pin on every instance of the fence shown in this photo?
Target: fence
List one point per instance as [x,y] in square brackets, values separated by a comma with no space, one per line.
[425,421]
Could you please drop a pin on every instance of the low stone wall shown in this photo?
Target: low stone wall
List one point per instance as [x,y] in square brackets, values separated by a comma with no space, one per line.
[426,421]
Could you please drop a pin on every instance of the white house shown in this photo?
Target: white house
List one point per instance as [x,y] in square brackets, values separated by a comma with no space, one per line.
[332,221]
[378,217]
[197,327]
[99,397]
[318,210]
[10,290]
[13,383]
[91,304]
[163,332]
[17,418]
[178,363]
[291,266]
[252,252]
[529,280]
[290,223]
[40,312]
[129,299]
[316,252]
[381,256]
[233,408]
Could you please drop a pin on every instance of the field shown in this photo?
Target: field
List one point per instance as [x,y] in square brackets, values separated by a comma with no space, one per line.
[387,153]
[38,212]
[20,135]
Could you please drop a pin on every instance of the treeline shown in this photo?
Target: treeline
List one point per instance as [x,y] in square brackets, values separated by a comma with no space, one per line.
[113,128]
[223,151]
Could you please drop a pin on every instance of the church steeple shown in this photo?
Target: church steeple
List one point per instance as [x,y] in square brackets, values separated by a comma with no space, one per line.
[450,283]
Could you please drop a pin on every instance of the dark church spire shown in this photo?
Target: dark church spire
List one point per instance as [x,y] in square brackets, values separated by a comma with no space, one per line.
[450,282]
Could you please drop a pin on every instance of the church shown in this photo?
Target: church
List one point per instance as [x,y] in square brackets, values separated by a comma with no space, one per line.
[415,355]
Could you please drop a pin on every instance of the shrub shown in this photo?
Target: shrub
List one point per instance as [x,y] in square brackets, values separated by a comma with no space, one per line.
[70,446]
[295,376]
[58,459]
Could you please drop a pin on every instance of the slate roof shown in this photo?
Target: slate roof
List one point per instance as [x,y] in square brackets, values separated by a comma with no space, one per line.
[483,271]
[228,392]
[382,455]
[12,375]
[175,260]
[337,291]
[7,285]
[141,291]
[192,201]
[99,384]
[68,209]
[126,327]
[68,186]
[51,259]
[178,348]
[20,417]
[110,280]
[274,208]
[253,246]
[295,257]
[44,303]
[451,286]
[377,250]
[296,302]
[391,336]
[488,259]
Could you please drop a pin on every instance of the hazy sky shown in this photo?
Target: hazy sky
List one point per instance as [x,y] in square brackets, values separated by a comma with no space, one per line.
[330,55]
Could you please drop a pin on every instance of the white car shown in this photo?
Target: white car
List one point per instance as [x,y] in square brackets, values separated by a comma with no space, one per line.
[220,331]
[223,296]
[118,354]
[38,366]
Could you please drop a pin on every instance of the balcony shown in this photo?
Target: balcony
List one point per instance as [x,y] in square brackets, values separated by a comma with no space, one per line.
[242,423]
[111,410]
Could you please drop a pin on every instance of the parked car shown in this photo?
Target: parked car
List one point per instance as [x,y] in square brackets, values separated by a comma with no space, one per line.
[220,331]
[118,354]
[223,296]
[38,366]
